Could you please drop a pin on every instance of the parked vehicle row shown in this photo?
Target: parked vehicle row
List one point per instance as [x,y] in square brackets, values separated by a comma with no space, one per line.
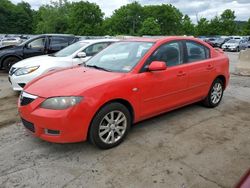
[26,70]
[40,45]
[232,43]
[126,82]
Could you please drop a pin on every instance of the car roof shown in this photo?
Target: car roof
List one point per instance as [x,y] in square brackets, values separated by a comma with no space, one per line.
[60,35]
[158,39]
[98,40]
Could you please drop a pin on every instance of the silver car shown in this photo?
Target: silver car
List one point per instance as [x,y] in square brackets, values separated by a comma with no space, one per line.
[235,45]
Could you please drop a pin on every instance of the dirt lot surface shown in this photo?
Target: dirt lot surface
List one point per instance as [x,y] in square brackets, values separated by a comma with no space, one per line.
[190,147]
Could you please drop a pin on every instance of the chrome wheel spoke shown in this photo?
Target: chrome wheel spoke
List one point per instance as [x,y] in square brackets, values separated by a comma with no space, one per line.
[112,137]
[107,119]
[112,127]
[104,132]
[108,137]
[121,120]
[118,132]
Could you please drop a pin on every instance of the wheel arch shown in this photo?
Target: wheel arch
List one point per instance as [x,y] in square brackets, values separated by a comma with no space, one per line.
[122,101]
[223,79]
[7,56]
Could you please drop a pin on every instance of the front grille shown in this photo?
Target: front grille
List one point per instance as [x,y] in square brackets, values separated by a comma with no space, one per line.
[28,125]
[25,101]
[21,85]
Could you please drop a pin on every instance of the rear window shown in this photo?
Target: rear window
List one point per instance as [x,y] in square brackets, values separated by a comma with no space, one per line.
[196,52]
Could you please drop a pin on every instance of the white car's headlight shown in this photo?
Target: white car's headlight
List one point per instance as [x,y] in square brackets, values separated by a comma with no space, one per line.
[60,103]
[26,70]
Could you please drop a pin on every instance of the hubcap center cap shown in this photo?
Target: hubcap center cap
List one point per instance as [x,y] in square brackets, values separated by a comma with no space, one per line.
[112,126]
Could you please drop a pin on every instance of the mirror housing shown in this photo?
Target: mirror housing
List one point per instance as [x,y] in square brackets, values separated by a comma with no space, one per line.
[157,66]
[81,55]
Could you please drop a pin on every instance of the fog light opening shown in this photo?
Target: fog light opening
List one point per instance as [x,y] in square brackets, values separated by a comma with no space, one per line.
[52,132]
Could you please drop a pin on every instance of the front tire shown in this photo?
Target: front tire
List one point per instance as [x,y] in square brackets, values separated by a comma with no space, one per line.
[215,94]
[110,126]
[9,62]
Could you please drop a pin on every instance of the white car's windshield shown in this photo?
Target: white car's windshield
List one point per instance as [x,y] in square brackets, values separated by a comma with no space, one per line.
[233,41]
[120,57]
[70,49]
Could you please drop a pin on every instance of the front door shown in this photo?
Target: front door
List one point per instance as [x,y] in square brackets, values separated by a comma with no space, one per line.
[163,90]
[35,47]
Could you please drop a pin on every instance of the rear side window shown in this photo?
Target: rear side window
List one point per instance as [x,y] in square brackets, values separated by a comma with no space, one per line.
[196,52]
[58,42]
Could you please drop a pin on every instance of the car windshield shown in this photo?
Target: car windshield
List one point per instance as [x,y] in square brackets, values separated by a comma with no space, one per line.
[120,57]
[233,41]
[70,49]
[220,40]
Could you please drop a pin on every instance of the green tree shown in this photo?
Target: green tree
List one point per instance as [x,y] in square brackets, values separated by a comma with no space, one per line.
[126,20]
[246,30]
[52,18]
[202,28]
[85,18]
[15,18]
[228,22]
[168,17]
[187,26]
[215,26]
[150,27]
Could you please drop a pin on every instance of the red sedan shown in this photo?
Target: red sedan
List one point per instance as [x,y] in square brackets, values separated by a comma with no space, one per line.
[125,83]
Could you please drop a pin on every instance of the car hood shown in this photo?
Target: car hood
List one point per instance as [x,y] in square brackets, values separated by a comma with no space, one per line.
[38,60]
[7,47]
[69,82]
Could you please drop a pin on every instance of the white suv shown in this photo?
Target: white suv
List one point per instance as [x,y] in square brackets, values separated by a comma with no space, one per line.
[26,70]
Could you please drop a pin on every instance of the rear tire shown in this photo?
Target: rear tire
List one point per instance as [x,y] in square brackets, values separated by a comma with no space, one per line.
[215,94]
[110,126]
[9,62]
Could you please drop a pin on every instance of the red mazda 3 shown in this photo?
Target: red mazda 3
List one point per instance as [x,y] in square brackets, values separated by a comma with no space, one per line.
[125,83]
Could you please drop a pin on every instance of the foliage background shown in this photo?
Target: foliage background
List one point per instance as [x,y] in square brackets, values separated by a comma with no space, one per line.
[85,18]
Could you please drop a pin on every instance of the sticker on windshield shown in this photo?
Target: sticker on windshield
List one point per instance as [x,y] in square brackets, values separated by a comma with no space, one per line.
[126,68]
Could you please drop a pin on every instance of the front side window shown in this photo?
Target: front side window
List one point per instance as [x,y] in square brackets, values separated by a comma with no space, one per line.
[37,43]
[170,53]
[120,56]
[95,48]
[196,52]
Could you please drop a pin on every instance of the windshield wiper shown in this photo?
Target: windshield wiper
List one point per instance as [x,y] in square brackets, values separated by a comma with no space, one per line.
[97,67]
[52,55]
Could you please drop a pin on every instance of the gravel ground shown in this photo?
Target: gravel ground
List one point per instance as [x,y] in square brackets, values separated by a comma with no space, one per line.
[192,147]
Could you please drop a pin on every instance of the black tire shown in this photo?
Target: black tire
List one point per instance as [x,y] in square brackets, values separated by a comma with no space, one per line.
[208,101]
[9,62]
[98,120]
[238,49]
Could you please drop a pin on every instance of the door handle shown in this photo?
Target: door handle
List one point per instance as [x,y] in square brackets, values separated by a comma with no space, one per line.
[210,67]
[181,73]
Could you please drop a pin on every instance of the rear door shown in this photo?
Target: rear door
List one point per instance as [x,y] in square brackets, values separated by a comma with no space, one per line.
[200,69]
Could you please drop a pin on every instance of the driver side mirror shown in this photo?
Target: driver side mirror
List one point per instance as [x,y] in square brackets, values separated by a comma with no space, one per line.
[81,55]
[157,66]
[27,46]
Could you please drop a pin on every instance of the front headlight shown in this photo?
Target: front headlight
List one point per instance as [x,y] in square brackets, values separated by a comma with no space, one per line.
[60,103]
[27,70]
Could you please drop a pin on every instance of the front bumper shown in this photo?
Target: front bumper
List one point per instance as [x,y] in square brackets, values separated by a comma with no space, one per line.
[18,82]
[59,126]
[230,49]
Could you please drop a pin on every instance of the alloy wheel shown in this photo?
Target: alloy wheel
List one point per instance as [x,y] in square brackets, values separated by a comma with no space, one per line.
[112,127]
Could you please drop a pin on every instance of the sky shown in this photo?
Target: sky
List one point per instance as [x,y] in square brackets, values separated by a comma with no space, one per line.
[194,8]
